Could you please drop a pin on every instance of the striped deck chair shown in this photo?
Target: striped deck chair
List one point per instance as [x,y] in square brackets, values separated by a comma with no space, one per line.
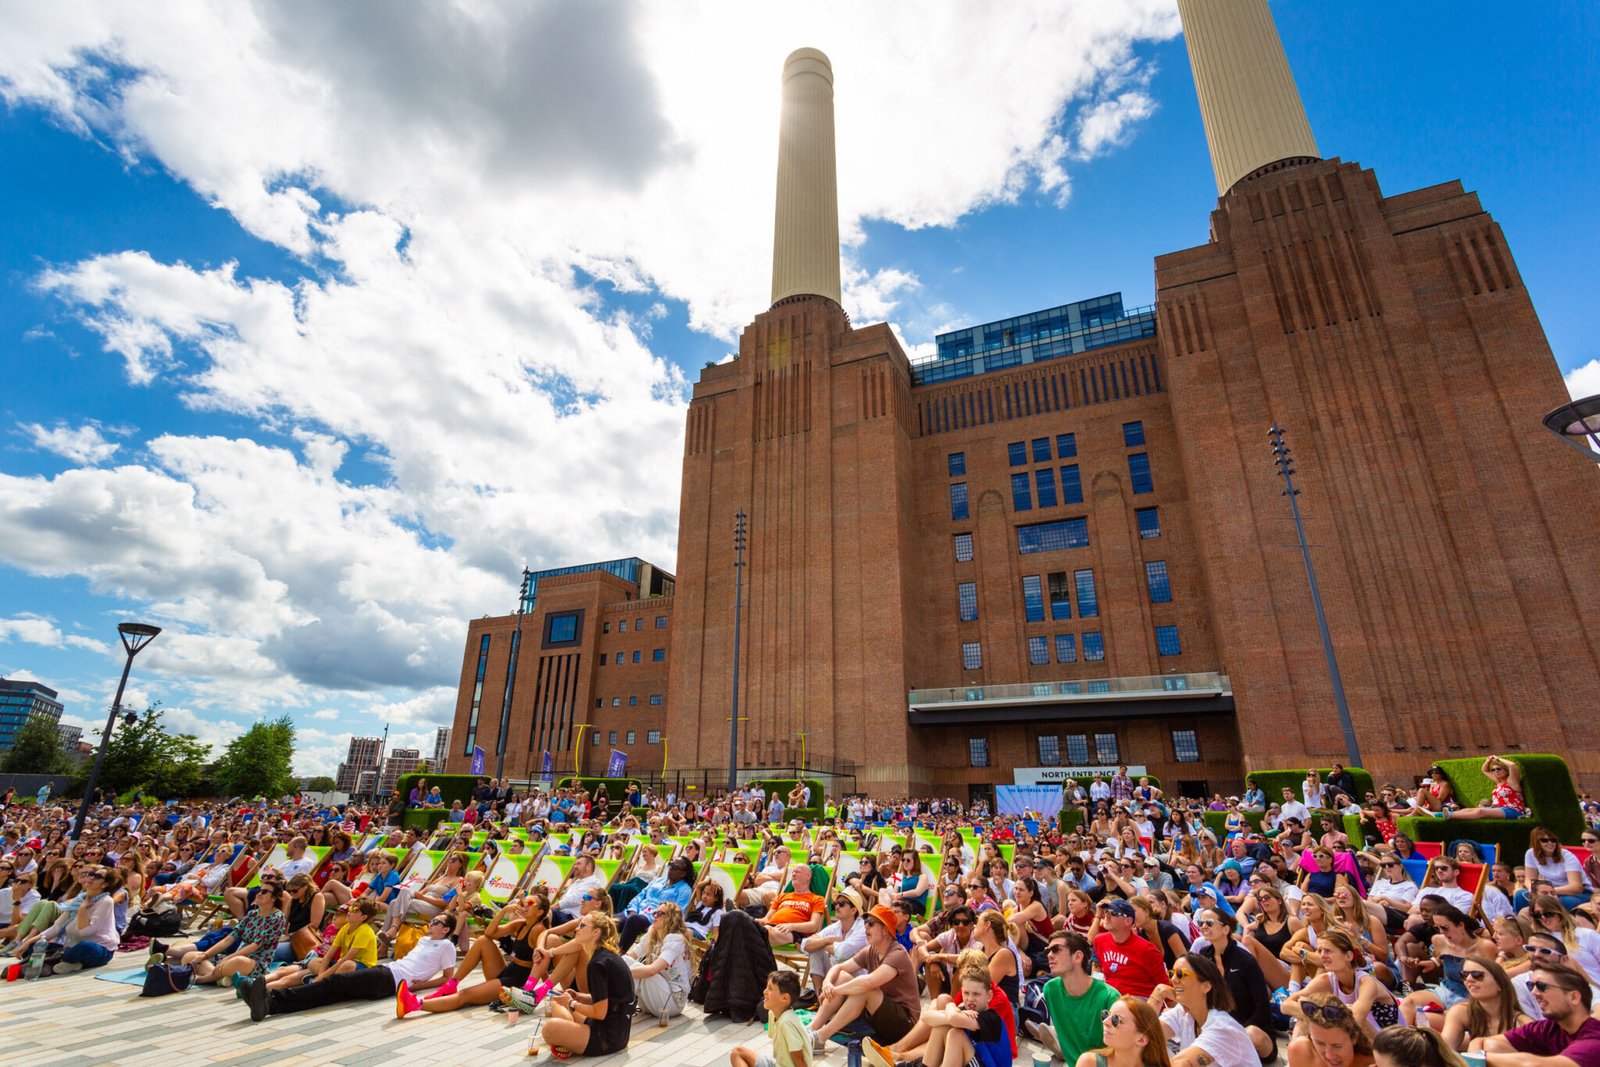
[505,878]
[732,877]
[552,873]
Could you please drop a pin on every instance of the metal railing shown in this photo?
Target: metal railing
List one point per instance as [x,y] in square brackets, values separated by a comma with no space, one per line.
[1085,690]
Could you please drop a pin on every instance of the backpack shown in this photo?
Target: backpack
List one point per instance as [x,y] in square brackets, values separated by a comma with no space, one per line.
[154,924]
[1033,1008]
[164,978]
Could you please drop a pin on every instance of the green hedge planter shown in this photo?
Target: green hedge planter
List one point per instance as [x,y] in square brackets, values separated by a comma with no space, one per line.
[1071,820]
[452,787]
[1273,783]
[783,786]
[1547,784]
[423,819]
[616,788]
[1217,822]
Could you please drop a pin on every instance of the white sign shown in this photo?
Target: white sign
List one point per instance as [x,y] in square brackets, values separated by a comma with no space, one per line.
[1059,775]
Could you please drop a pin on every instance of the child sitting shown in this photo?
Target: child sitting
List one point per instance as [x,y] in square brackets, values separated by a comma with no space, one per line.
[791,1044]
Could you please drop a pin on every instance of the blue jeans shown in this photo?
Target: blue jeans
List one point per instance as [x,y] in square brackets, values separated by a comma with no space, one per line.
[87,953]
[1568,900]
[284,953]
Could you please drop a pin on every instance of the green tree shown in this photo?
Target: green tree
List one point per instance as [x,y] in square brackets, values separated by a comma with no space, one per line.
[257,762]
[321,784]
[142,753]
[37,750]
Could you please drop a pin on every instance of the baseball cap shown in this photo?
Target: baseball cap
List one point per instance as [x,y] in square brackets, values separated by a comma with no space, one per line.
[1118,906]
[1151,861]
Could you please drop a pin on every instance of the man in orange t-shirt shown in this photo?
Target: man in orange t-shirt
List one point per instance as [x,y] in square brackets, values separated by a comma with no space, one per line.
[797,914]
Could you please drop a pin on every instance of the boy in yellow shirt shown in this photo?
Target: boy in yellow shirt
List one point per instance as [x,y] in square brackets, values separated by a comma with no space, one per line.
[791,1044]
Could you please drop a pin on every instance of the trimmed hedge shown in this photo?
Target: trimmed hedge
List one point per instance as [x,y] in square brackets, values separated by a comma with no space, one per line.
[1217,821]
[423,819]
[783,787]
[452,787]
[1547,784]
[616,788]
[1071,821]
[1273,783]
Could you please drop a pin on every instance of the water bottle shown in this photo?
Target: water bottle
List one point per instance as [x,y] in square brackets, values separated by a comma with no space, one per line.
[853,1052]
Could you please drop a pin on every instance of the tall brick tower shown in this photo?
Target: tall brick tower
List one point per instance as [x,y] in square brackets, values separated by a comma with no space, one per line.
[1392,336]
[807,431]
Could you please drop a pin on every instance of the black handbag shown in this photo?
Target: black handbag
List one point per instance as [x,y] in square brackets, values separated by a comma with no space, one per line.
[163,978]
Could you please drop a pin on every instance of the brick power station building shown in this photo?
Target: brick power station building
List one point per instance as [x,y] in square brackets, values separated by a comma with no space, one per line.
[1061,543]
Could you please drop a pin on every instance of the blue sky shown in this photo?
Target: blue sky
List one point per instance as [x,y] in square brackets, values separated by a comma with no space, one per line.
[312,338]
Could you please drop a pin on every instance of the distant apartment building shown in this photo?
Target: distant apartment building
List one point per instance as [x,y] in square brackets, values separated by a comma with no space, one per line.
[21,701]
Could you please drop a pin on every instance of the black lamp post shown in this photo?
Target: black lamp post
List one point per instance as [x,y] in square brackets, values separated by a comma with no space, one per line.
[511,678]
[135,635]
[740,539]
[1577,423]
[1282,460]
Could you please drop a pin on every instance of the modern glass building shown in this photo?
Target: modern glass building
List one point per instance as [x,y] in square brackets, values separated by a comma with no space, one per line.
[20,701]
[1039,335]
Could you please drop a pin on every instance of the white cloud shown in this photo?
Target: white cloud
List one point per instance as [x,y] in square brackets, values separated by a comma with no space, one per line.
[35,630]
[1584,381]
[85,444]
[441,397]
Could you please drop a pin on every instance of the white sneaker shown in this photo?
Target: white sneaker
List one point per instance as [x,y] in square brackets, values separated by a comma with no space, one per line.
[819,1044]
[68,968]
[1046,1036]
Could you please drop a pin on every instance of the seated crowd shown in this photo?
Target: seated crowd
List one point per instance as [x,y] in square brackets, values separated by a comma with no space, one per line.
[920,932]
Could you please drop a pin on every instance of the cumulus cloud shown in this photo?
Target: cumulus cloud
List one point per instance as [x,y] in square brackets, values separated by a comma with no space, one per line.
[34,630]
[82,444]
[442,394]
[1585,380]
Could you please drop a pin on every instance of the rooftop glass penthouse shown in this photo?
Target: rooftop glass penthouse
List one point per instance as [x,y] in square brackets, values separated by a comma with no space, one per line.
[1061,331]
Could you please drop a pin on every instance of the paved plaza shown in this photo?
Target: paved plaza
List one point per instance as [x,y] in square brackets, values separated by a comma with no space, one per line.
[78,1019]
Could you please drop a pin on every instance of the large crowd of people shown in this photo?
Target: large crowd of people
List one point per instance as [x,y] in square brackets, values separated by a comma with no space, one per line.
[929,932]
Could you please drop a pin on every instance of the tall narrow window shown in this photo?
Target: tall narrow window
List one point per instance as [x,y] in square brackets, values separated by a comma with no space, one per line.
[964,548]
[1071,485]
[1038,651]
[957,463]
[1060,596]
[1185,746]
[1044,482]
[1149,522]
[1167,643]
[1041,450]
[1049,750]
[958,500]
[1021,494]
[1077,749]
[1155,578]
[1032,598]
[967,600]
[1017,452]
[971,656]
[1139,473]
[1066,649]
[1132,434]
[1106,750]
[477,694]
[1066,445]
[1088,606]
[1094,646]
[978,751]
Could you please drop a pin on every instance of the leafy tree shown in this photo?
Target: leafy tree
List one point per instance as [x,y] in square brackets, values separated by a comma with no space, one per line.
[321,784]
[142,753]
[257,762]
[37,750]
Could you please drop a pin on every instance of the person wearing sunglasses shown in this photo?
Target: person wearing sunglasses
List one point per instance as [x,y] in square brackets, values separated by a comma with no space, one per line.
[1546,859]
[1332,1035]
[1565,1036]
[1133,1037]
[422,968]
[1582,944]
[1195,1014]
[1491,1006]
[87,934]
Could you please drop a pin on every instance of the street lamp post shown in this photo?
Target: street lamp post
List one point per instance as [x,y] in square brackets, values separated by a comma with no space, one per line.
[740,538]
[1577,423]
[511,679]
[577,750]
[135,635]
[1285,463]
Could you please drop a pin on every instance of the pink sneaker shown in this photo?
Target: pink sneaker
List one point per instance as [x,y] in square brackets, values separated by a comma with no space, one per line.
[405,1001]
[445,990]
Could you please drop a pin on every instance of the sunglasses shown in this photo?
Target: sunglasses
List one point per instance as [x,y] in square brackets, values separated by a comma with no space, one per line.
[1473,976]
[1332,1013]
[1109,1019]
[1540,950]
[1540,987]
[962,922]
[1544,914]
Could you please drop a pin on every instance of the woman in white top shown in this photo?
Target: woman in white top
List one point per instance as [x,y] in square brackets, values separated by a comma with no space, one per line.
[659,963]
[1312,788]
[1194,1015]
[90,935]
[1583,944]
[1546,859]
